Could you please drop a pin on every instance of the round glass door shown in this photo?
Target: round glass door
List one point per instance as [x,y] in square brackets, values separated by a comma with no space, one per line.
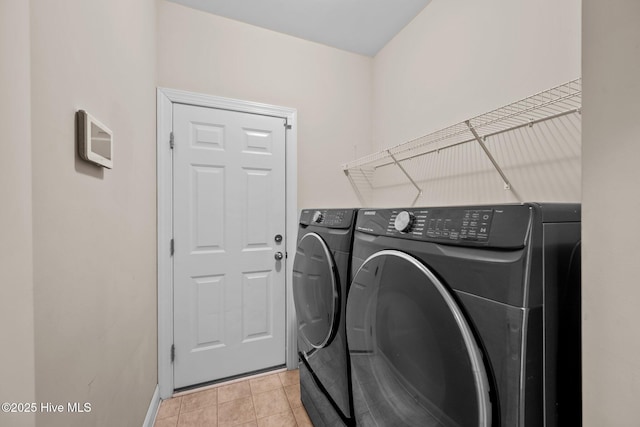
[315,291]
[414,358]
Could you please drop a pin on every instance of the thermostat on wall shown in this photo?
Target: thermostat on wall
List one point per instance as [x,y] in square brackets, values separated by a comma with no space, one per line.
[95,140]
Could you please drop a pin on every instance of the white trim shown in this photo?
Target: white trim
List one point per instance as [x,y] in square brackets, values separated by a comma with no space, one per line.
[152,412]
[291,160]
[165,100]
[165,233]
[203,100]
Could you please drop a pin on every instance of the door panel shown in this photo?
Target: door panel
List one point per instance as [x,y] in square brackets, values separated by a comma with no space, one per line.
[209,309]
[256,224]
[256,309]
[229,203]
[208,220]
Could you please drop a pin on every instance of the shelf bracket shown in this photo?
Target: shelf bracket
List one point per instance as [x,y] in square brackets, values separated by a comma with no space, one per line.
[397,163]
[507,184]
[355,188]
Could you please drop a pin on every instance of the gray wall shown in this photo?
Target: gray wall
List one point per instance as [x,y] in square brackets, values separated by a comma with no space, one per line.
[611,203]
[17,382]
[330,88]
[461,58]
[94,229]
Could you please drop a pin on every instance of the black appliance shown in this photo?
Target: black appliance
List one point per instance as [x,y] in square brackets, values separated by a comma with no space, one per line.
[466,316]
[320,284]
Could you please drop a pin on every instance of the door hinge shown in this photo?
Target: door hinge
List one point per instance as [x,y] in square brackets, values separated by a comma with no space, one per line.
[171,247]
[171,140]
[286,124]
[173,352]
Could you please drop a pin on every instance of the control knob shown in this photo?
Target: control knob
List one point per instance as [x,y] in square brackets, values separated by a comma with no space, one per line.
[404,221]
[317,217]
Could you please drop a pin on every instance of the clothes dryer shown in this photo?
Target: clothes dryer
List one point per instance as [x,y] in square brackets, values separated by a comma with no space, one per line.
[466,316]
[321,277]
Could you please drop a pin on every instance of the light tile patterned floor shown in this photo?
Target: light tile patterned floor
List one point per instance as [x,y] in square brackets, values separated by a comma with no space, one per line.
[271,400]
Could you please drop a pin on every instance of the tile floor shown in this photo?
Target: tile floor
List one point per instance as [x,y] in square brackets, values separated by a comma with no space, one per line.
[271,400]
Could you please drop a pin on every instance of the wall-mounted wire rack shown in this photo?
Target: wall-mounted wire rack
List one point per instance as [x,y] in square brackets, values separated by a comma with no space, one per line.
[555,103]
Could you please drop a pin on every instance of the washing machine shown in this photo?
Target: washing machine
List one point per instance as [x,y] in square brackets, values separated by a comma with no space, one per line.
[466,316]
[321,277]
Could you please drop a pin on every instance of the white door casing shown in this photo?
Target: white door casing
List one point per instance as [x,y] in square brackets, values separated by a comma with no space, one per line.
[207,261]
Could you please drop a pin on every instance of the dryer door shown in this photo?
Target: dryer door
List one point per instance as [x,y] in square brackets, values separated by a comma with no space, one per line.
[414,358]
[316,293]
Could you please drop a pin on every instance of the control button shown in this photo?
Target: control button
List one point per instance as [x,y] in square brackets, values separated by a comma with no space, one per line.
[317,217]
[403,221]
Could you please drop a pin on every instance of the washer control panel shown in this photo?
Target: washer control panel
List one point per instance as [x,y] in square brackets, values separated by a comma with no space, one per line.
[496,226]
[451,225]
[505,226]
[445,224]
[331,218]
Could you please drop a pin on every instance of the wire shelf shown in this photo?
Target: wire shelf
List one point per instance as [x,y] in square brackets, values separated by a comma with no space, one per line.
[555,103]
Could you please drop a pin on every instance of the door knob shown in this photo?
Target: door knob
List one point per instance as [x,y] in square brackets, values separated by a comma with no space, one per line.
[278,256]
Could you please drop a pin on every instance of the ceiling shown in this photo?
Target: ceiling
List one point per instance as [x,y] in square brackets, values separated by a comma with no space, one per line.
[359,26]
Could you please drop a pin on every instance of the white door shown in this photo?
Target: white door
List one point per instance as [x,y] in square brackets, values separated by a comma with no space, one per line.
[229,209]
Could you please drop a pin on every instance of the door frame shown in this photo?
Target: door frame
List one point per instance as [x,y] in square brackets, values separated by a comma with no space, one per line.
[164,122]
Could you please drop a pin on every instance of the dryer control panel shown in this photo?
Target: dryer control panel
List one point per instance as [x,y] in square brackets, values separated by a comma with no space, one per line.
[504,226]
[331,218]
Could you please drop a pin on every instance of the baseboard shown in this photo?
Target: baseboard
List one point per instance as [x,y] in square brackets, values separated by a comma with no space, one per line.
[150,419]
